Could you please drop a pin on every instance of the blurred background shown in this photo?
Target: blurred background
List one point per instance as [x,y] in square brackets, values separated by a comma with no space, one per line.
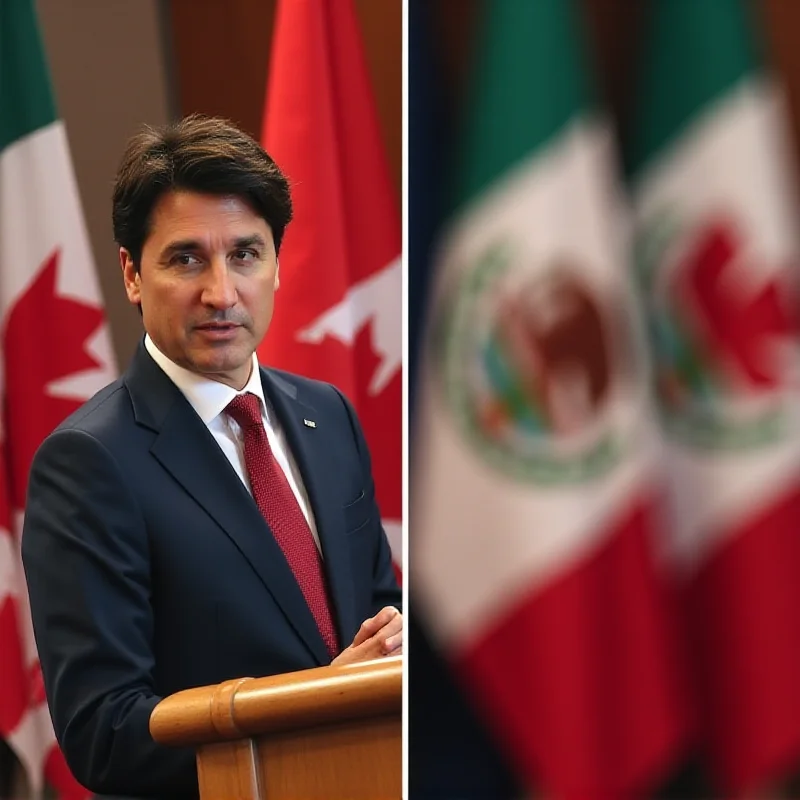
[114,65]
[605,449]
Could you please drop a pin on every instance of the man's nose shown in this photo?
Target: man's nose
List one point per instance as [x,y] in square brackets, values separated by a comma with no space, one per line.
[219,290]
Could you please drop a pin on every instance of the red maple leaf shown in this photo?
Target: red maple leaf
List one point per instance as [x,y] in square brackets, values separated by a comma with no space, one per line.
[737,327]
[44,340]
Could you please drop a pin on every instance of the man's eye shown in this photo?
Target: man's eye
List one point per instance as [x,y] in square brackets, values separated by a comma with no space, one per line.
[185,259]
[245,255]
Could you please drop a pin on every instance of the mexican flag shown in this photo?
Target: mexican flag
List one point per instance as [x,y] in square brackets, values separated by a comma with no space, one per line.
[55,351]
[338,312]
[536,492]
[717,261]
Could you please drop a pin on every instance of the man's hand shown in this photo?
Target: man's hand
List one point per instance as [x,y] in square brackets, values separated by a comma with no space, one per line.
[378,636]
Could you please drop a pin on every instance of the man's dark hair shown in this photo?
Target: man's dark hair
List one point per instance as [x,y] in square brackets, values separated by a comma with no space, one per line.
[197,154]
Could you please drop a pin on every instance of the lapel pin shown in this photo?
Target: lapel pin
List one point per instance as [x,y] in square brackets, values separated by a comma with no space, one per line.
[309,423]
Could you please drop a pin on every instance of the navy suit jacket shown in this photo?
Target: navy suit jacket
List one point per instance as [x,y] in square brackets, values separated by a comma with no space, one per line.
[150,568]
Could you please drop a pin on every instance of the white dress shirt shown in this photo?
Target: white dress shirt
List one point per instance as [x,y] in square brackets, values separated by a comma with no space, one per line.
[209,399]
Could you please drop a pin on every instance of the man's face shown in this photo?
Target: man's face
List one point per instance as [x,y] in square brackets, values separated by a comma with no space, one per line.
[206,283]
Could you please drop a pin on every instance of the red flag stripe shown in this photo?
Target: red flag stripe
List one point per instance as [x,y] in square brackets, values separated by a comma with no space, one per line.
[599,709]
[743,613]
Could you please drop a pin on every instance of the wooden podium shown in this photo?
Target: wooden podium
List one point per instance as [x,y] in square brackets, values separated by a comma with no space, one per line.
[325,733]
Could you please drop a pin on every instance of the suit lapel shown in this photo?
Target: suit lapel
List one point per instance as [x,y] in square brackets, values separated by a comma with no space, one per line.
[187,450]
[317,468]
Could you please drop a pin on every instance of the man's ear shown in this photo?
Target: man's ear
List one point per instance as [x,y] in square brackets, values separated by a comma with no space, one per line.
[131,277]
[277,274]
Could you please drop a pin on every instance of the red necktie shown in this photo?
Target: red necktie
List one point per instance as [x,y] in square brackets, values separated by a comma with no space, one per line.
[280,509]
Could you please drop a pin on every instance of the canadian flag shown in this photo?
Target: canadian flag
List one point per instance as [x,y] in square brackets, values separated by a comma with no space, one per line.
[338,313]
[55,352]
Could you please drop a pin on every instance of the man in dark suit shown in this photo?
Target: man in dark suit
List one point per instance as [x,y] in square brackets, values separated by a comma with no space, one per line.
[201,518]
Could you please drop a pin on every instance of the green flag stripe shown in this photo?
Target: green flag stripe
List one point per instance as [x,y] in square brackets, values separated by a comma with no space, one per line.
[26,99]
[696,51]
[529,82]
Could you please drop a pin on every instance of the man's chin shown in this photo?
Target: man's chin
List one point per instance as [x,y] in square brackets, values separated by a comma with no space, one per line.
[228,362]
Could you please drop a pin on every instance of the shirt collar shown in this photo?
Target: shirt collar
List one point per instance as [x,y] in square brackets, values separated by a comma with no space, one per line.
[207,397]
